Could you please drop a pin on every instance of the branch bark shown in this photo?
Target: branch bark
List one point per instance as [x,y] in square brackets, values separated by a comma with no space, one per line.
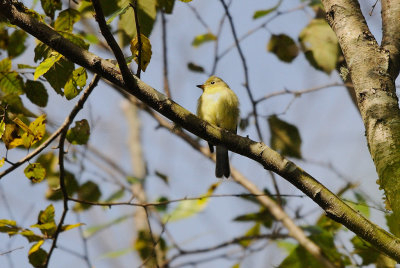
[371,71]
[271,160]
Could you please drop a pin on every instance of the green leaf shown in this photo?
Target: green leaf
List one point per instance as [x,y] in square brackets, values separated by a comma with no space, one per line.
[76,83]
[255,230]
[263,216]
[360,205]
[77,40]
[36,93]
[89,191]
[162,208]
[146,15]
[80,133]
[4,38]
[8,226]
[50,7]
[10,81]
[16,44]
[116,195]
[203,38]
[166,5]
[283,47]
[117,13]
[92,230]
[47,215]
[59,74]
[66,20]
[11,137]
[30,235]
[118,253]
[54,191]
[162,176]
[195,68]
[42,51]
[185,1]
[15,105]
[38,258]
[261,13]
[35,172]
[46,65]
[144,246]
[285,137]
[365,250]
[393,223]
[189,208]
[146,51]
[320,45]
[286,245]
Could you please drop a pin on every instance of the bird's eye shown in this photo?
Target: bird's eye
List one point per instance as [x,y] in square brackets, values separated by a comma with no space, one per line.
[212,83]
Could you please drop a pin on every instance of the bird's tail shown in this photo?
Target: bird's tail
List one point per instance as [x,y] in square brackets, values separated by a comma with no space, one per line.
[222,165]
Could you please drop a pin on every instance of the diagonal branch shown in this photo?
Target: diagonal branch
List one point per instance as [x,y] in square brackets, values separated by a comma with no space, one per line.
[258,151]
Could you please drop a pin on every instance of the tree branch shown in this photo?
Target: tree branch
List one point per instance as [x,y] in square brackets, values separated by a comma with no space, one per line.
[391,33]
[370,69]
[258,151]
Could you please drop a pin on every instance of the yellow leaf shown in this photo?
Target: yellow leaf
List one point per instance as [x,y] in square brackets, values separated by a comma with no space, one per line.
[11,137]
[22,125]
[145,51]
[35,131]
[2,162]
[35,247]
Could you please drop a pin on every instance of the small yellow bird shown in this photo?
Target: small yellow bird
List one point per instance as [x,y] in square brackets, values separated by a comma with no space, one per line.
[219,106]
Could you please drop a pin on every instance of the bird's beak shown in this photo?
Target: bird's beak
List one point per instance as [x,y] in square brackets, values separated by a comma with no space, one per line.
[200,86]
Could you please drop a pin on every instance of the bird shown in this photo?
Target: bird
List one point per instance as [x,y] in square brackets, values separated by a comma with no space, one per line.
[219,105]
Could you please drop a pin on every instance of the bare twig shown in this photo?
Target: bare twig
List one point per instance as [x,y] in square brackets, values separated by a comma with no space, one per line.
[67,123]
[165,54]
[139,37]
[9,251]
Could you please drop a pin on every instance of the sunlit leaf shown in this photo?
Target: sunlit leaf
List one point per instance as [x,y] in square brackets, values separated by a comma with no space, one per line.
[255,230]
[47,215]
[46,65]
[144,245]
[70,226]
[36,247]
[8,226]
[79,134]
[76,83]
[203,38]
[30,235]
[320,45]
[15,105]
[146,51]
[10,81]
[76,39]
[263,216]
[117,253]
[283,47]
[66,20]
[11,137]
[2,161]
[35,131]
[285,137]
[189,208]
[36,93]
[195,68]
[360,205]
[35,172]
[2,128]
[365,250]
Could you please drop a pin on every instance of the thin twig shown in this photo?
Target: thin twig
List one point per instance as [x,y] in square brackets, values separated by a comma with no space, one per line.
[9,251]
[165,54]
[153,253]
[67,123]
[163,203]
[139,37]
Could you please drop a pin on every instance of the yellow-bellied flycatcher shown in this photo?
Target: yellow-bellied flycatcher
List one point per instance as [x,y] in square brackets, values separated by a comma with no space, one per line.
[219,105]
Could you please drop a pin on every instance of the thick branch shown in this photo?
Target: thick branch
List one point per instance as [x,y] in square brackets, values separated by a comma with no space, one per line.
[370,71]
[391,33]
[257,151]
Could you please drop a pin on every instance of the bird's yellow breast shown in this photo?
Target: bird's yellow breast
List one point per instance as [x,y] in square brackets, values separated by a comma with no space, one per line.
[219,106]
